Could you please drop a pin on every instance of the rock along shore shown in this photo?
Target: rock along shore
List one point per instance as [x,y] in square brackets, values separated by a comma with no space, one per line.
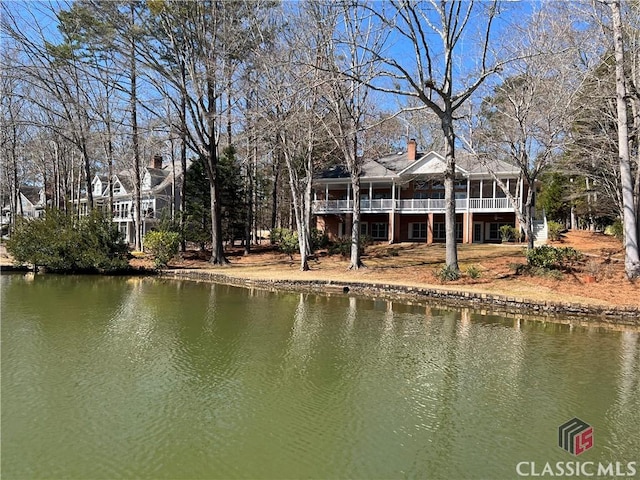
[500,304]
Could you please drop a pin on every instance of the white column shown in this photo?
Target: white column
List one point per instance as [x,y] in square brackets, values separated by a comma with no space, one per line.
[370,192]
[468,192]
[393,196]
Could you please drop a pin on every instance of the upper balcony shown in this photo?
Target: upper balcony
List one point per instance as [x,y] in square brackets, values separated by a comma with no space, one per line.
[413,205]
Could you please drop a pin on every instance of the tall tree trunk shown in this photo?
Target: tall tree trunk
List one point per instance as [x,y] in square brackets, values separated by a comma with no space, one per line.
[632,255]
[451,254]
[15,193]
[110,163]
[183,154]
[274,190]
[87,174]
[217,247]
[355,261]
[137,202]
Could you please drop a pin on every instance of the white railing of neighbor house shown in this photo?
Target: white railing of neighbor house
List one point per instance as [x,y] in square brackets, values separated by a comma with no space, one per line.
[412,205]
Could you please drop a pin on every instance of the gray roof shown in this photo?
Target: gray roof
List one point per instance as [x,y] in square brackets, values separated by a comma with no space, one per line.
[31,193]
[391,165]
[157,175]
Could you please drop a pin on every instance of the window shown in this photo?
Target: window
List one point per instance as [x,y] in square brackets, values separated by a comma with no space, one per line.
[494,230]
[487,189]
[475,189]
[381,195]
[418,230]
[440,231]
[364,228]
[420,195]
[513,185]
[379,231]
[117,188]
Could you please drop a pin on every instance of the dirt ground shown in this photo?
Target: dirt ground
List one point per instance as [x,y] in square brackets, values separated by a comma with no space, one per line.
[416,265]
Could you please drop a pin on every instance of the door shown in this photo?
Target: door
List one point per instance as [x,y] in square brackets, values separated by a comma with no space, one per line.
[478,232]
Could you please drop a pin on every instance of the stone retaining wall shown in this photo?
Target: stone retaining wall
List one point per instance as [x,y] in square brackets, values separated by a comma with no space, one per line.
[624,315]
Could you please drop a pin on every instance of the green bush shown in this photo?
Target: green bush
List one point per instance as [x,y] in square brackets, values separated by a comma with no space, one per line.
[447,274]
[276,235]
[616,229]
[319,239]
[162,245]
[507,232]
[62,243]
[473,272]
[286,240]
[555,230]
[518,234]
[552,258]
[342,246]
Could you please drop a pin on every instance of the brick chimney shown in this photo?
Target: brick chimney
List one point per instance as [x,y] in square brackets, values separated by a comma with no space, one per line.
[156,162]
[411,149]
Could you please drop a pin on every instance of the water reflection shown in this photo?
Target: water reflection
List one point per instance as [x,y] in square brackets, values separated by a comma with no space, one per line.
[156,379]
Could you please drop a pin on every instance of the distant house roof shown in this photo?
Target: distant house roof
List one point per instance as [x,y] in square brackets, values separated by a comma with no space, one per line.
[157,175]
[431,163]
[31,193]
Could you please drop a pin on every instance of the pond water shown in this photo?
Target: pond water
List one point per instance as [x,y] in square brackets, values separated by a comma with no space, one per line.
[151,378]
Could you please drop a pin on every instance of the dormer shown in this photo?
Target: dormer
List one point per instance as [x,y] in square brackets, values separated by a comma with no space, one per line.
[97,186]
[118,189]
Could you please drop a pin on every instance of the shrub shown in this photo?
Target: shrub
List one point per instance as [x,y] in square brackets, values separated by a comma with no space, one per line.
[62,243]
[473,272]
[276,235]
[342,246]
[286,240]
[447,274]
[162,245]
[552,258]
[319,239]
[555,230]
[616,229]
[507,232]
[518,234]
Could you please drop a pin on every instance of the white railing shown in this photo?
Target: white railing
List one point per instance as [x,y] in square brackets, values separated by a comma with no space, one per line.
[489,204]
[412,205]
[377,204]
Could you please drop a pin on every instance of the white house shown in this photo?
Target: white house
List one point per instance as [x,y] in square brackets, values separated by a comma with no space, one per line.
[160,193]
[32,204]
[402,199]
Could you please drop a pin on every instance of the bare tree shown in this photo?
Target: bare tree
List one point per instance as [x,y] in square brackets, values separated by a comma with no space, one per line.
[351,66]
[526,120]
[290,101]
[57,81]
[629,219]
[435,73]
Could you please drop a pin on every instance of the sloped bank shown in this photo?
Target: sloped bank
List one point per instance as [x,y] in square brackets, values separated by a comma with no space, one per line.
[499,304]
